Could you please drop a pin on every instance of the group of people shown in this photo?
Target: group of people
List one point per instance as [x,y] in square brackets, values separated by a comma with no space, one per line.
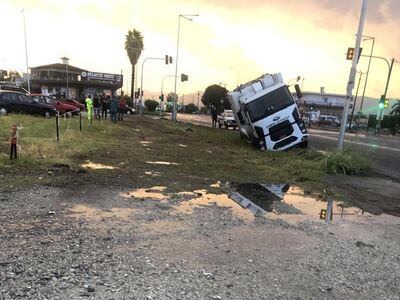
[103,103]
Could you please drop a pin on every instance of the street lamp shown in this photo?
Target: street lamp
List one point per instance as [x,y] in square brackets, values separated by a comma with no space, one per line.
[366,38]
[26,53]
[141,81]
[176,64]
[65,61]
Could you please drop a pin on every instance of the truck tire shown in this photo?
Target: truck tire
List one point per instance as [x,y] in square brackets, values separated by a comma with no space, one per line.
[219,125]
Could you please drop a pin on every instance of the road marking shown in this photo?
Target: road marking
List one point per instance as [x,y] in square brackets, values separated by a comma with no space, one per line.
[358,143]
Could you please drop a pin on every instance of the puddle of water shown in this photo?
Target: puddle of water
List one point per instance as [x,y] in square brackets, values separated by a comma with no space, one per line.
[216,185]
[162,163]
[94,214]
[293,206]
[153,174]
[209,199]
[310,209]
[154,193]
[145,143]
[94,166]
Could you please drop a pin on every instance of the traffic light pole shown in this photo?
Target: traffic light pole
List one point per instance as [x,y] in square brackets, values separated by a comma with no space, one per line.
[355,99]
[380,115]
[352,75]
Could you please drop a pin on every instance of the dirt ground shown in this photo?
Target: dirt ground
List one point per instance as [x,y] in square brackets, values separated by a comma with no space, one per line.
[121,243]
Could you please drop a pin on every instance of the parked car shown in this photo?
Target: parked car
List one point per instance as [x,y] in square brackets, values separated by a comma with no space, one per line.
[227,119]
[62,108]
[129,110]
[328,121]
[16,102]
[73,102]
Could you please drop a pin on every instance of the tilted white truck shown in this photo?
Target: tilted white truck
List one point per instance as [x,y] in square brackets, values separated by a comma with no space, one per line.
[267,114]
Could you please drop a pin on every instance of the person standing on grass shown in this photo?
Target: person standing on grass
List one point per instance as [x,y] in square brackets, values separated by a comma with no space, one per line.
[121,108]
[89,107]
[14,138]
[104,105]
[214,116]
[97,107]
[113,110]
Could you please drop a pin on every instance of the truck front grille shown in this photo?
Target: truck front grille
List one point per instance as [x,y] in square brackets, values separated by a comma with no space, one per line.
[280,131]
[285,142]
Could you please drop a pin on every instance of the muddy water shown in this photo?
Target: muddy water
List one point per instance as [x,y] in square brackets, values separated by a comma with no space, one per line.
[155,192]
[90,165]
[310,209]
[203,199]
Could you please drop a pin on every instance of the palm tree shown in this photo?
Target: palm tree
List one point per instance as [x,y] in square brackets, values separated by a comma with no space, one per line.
[396,113]
[133,47]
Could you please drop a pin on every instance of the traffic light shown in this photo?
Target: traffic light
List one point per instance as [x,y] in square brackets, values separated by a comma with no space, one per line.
[381,104]
[168,59]
[184,77]
[350,54]
[386,103]
[161,97]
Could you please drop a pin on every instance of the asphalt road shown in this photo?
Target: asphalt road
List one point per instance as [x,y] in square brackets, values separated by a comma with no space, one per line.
[385,150]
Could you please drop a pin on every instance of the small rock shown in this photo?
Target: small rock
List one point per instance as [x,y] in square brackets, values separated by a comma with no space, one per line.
[90,289]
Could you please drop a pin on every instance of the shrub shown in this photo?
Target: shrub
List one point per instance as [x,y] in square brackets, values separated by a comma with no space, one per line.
[348,163]
[151,105]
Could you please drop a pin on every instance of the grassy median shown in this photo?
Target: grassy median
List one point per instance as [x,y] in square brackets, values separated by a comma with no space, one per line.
[146,151]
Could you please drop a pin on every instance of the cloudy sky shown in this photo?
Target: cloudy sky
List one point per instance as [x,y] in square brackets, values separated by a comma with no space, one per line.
[230,41]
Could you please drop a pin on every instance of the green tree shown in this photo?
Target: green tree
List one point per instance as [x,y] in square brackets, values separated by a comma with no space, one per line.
[191,108]
[396,114]
[170,97]
[134,47]
[216,95]
[150,104]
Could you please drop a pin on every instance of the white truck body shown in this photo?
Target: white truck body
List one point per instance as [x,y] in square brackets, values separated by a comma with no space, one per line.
[267,114]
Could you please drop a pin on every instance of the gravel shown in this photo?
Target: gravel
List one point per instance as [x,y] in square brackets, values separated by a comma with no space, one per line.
[94,243]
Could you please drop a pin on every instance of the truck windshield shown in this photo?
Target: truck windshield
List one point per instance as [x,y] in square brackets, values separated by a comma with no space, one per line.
[269,104]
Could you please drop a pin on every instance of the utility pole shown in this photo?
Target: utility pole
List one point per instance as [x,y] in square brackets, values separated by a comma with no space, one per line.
[352,75]
[198,100]
[26,53]
[380,115]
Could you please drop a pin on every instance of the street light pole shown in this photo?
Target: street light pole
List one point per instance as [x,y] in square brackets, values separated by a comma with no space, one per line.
[26,53]
[141,82]
[176,62]
[384,95]
[352,75]
[369,64]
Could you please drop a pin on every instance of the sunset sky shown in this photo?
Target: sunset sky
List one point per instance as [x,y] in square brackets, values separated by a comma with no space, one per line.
[229,39]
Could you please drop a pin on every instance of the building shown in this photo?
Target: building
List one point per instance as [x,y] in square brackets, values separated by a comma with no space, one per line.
[327,103]
[62,79]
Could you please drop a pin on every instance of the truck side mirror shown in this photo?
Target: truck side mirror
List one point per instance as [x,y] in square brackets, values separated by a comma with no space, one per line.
[298,91]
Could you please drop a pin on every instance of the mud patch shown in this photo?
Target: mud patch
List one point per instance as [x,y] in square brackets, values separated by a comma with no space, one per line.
[372,194]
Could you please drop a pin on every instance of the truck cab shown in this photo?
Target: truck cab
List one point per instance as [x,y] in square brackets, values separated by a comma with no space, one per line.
[267,114]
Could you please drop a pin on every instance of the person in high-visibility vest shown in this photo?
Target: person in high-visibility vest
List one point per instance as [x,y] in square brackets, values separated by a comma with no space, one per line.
[89,106]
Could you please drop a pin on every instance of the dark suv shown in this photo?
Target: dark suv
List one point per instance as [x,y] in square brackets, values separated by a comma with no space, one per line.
[17,102]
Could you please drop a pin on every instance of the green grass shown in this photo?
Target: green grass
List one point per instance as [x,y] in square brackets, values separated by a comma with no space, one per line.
[348,162]
[203,155]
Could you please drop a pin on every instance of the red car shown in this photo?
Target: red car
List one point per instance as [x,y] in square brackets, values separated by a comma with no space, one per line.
[62,108]
[74,103]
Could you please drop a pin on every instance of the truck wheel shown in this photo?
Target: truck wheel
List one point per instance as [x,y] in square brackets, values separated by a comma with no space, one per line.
[219,125]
